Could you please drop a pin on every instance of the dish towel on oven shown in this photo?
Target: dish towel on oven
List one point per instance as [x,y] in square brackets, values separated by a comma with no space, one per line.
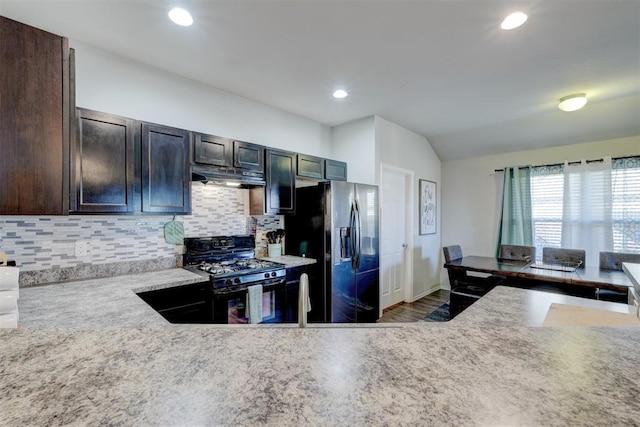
[254,301]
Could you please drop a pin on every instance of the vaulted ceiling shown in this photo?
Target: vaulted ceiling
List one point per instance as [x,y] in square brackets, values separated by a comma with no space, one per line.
[441,68]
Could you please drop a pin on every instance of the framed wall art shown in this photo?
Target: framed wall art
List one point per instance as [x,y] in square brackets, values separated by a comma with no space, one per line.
[428,206]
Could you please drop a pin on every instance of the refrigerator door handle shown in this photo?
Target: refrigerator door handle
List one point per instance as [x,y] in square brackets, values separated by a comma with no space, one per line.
[356,238]
[353,215]
[345,243]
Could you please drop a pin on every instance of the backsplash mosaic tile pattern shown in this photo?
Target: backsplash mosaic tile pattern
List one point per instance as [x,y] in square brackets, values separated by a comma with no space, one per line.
[44,243]
[264,224]
[216,210]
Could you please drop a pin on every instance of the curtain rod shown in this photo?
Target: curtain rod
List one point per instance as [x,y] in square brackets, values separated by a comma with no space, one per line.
[577,162]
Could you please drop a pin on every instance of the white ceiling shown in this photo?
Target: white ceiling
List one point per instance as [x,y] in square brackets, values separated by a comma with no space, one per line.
[443,69]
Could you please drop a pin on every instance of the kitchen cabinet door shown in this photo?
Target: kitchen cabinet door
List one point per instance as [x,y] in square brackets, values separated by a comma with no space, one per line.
[166,174]
[104,156]
[35,112]
[335,170]
[248,156]
[310,166]
[212,150]
[278,196]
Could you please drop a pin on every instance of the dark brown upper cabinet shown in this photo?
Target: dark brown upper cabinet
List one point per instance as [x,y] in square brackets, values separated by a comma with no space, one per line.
[278,196]
[103,176]
[212,150]
[319,168]
[166,172]
[310,166]
[248,156]
[35,115]
[335,170]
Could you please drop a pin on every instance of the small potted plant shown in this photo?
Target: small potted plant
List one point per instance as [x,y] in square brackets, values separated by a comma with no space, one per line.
[274,242]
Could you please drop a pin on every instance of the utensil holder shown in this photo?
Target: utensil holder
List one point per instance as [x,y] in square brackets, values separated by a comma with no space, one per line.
[274,250]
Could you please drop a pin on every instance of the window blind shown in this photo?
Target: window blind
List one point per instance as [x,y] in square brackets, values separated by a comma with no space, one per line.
[547,194]
[625,183]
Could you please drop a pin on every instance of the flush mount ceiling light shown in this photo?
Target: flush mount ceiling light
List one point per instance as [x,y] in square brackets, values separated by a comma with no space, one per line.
[340,94]
[572,102]
[180,16]
[514,20]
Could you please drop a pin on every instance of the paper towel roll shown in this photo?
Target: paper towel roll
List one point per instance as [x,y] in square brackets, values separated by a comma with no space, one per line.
[8,301]
[9,278]
[9,320]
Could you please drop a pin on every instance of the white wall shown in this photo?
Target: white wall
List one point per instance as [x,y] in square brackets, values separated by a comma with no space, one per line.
[114,84]
[354,143]
[469,191]
[402,148]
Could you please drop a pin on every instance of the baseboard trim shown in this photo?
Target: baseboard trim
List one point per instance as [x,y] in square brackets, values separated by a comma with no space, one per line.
[425,293]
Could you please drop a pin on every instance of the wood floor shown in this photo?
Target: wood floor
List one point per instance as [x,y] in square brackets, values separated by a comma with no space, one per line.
[414,311]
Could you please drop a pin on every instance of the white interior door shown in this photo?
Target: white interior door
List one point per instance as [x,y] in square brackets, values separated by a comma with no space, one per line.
[394,236]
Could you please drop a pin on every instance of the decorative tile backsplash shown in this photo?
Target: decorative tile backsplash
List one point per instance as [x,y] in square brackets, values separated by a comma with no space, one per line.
[42,243]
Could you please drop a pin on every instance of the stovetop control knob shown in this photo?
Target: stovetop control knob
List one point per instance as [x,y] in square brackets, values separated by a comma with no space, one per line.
[266,275]
[273,274]
[228,282]
[236,280]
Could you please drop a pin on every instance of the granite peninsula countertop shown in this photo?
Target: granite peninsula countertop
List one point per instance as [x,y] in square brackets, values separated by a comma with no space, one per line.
[108,302]
[482,369]
[291,260]
[633,271]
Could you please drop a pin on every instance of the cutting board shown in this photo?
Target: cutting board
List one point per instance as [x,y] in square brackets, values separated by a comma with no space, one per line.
[573,315]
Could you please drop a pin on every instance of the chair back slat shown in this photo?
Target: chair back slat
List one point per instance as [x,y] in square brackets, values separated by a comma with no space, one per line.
[516,252]
[614,260]
[563,256]
[452,253]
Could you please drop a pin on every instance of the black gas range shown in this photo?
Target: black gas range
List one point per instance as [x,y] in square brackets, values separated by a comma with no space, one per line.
[233,280]
[229,262]
[237,279]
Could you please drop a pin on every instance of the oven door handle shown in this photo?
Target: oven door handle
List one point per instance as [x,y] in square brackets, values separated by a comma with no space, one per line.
[272,286]
[269,286]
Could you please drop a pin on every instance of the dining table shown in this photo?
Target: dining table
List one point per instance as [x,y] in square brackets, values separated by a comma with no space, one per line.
[517,271]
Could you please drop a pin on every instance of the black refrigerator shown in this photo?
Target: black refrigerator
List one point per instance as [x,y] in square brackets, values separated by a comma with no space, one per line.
[337,224]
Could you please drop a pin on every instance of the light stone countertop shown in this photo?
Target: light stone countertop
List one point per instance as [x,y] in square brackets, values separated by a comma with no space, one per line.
[99,303]
[107,302]
[633,271]
[505,306]
[480,369]
[290,260]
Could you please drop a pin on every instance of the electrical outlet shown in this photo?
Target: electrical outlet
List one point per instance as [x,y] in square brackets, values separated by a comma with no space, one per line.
[81,248]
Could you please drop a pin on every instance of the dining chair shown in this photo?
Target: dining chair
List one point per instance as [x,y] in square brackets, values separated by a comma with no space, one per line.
[465,289]
[562,256]
[517,253]
[613,261]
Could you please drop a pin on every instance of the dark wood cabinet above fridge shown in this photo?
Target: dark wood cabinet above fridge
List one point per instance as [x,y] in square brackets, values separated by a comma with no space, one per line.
[320,169]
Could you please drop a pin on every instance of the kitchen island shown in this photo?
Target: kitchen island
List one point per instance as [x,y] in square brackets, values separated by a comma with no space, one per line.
[480,371]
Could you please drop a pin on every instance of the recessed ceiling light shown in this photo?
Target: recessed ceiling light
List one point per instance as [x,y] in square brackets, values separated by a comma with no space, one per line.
[514,20]
[572,102]
[180,16]
[340,94]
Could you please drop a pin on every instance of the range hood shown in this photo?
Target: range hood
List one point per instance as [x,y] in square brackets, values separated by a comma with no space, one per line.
[230,177]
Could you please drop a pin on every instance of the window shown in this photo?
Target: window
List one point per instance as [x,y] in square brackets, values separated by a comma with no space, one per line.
[625,192]
[547,194]
[547,185]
